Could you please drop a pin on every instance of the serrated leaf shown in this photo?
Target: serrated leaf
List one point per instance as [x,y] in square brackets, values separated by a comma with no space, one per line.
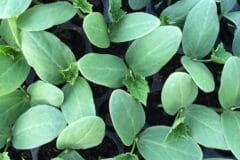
[83,5]
[151,146]
[78,101]
[179,129]
[236,42]
[4,156]
[121,104]
[71,73]
[229,91]
[200,74]
[182,90]
[220,55]
[138,87]
[200,29]
[45,93]
[114,11]
[138,4]
[44,16]
[84,133]
[37,126]
[96,30]
[126,156]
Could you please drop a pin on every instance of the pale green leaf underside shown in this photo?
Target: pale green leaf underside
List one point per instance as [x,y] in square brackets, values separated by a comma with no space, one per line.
[138,4]
[231,128]
[179,91]
[38,126]
[133,26]
[227,5]
[200,29]
[229,92]
[205,127]
[127,115]
[149,54]
[13,8]
[236,42]
[45,93]
[200,74]
[78,101]
[84,133]
[96,30]
[47,55]
[152,147]
[44,16]
[103,69]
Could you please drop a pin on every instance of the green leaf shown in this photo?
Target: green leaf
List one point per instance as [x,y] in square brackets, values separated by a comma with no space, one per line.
[12,106]
[149,54]
[205,127]
[138,4]
[114,11]
[47,55]
[84,133]
[227,5]
[138,87]
[83,5]
[96,30]
[13,8]
[70,155]
[177,12]
[233,17]
[141,25]
[12,23]
[5,134]
[231,128]
[127,116]
[71,73]
[126,156]
[13,71]
[78,101]
[4,156]
[220,55]
[151,145]
[6,34]
[178,130]
[103,69]
[200,74]
[229,91]
[179,91]
[44,16]
[45,93]
[200,29]
[236,42]
[39,125]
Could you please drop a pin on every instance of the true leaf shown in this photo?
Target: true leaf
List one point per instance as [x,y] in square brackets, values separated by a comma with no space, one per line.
[151,145]
[121,105]
[84,133]
[199,73]
[138,4]
[13,71]
[126,156]
[96,30]
[83,5]
[71,73]
[220,55]
[179,91]
[38,126]
[13,8]
[114,11]
[233,17]
[103,69]
[205,127]
[177,12]
[149,54]
[45,93]
[44,16]
[200,29]
[229,91]
[236,42]
[231,128]
[70,155]
[227,5]
[78,101]
[138,87]
[47,55]
[4,156]
[133,26]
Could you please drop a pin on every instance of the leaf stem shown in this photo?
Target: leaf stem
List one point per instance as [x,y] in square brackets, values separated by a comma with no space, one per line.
[133,147]
[80,14]
[202,60]
[7,145]
[36,2]
[217,109]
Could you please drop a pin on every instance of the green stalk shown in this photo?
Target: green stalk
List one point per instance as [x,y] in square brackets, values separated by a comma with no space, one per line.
[202,60]
[80,14]
[133,147]
[36,2]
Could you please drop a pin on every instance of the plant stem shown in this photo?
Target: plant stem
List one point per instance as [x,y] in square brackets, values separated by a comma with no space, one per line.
[133,147]
[202,60]
[7,145]
[36,2]
[217,109]
[80,14]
